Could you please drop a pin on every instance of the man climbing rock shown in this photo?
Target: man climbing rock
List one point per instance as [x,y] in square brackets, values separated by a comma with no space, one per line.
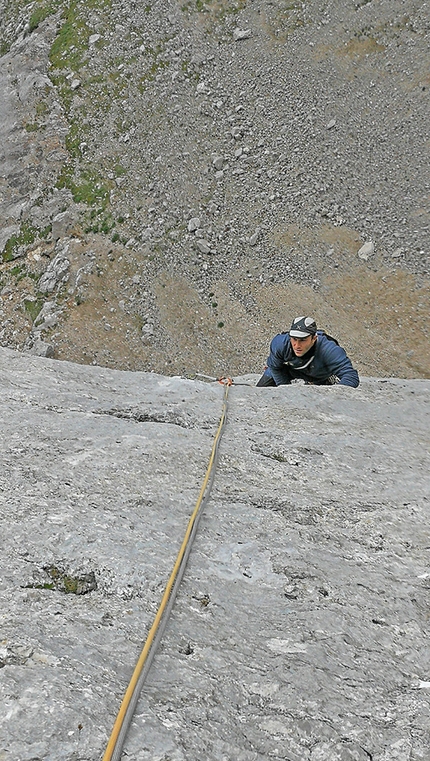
[307,354]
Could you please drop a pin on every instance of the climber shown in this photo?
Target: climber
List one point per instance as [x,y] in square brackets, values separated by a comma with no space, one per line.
[308,354]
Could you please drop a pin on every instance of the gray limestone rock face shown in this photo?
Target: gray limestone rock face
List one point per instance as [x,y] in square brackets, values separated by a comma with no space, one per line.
[57,272]
[300,630]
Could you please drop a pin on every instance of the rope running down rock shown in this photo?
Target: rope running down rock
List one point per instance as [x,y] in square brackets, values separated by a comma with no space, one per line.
[119,732]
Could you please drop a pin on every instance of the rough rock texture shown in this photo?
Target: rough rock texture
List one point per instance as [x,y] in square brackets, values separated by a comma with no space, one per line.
[301,629]
[209,169]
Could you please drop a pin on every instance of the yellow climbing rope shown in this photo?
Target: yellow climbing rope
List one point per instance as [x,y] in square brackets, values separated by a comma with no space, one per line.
[125,713]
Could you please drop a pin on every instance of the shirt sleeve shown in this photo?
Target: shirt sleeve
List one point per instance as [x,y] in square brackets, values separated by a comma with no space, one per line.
[339,364]
[276,360]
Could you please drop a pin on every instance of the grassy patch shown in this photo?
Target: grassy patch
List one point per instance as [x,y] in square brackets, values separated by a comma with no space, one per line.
[17,271]
[46,231]
[40,12]
[25,237]
[100,222]
[41,109]
[89,189]
[119,170]
[70,48]
[71,44]
[33,307]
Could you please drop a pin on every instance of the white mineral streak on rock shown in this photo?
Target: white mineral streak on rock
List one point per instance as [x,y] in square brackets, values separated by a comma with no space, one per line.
[286,646]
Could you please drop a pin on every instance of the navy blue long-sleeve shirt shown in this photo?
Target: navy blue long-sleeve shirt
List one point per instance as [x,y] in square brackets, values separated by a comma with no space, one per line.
[326,358]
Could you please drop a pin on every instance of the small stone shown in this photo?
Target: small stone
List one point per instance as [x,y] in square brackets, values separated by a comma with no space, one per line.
[218,162]
[42,349]
[75,84]
[49,321]
[61,224]
[366,250]
[6,233]
[253,239]
[331,124]
[193,224]
[147,234]
[93,39]
[57,272]
[203,246]
[241,34]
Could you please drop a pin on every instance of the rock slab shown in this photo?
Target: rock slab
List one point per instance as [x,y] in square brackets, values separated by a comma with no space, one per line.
[301,628]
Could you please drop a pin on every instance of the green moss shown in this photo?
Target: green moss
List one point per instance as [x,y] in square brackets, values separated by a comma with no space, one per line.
[107,224]
[25,237]
[46,231]
[41,11]
[88,183]
[41,109]
[64,582]
[99,221]
[278,457]
[33,307]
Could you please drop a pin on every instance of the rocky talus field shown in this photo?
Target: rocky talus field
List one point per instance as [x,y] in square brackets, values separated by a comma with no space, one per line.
[180,179]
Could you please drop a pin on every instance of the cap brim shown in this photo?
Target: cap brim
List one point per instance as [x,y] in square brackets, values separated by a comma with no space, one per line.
[300,334]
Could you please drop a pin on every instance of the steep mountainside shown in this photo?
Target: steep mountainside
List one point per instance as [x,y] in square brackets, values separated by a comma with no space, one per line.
[180,178]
